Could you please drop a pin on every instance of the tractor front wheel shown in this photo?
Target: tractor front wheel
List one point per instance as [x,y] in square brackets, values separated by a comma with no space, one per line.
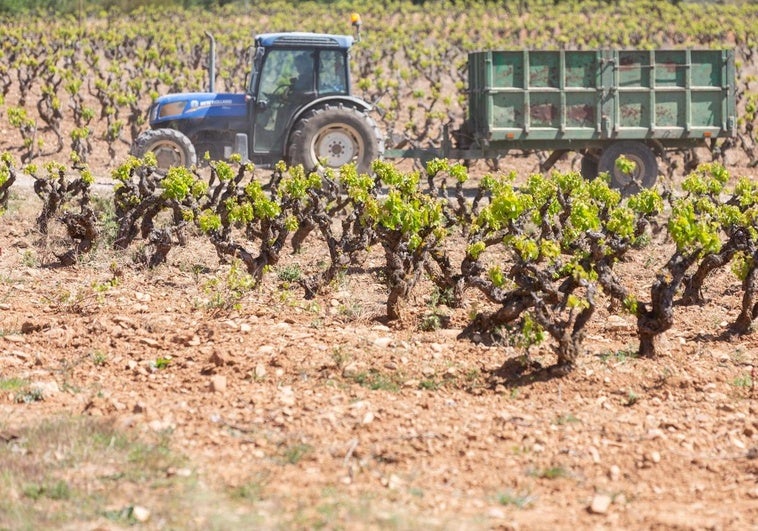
[170,147]
[333,136]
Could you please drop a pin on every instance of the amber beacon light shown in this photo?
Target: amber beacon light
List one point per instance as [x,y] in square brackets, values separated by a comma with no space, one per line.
[355,20]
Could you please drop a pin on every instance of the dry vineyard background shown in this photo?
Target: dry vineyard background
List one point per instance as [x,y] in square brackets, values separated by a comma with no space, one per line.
[84,87]
[533,266]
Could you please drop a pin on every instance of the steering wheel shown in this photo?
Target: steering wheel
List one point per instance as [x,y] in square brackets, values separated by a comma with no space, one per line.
[280,93]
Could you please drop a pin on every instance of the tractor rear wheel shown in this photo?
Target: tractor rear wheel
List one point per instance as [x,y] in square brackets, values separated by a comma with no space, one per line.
[170,147]
[645,170]
[333,136]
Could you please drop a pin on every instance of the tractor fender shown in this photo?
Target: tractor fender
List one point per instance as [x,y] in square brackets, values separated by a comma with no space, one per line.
[348,101]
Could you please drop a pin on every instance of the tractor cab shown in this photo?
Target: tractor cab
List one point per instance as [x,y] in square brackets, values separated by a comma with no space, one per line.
[290,71]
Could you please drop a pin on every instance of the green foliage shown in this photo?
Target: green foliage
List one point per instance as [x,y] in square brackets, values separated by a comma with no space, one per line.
[260,206]
[209,221]
[377,381]
[28,396]
[58,490]
[181,182]
[624,165]
[553,472]
[297,184]
[290,273]
[12,384]
[520,501]
[743,380]
[695,222]
[430,322]
[563,235]
[227,292]
[543,252]
[457,171]
[295,453]
[161,363]
[532,333]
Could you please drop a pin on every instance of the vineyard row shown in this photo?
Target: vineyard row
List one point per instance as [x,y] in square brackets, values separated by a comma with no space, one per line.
[544,253]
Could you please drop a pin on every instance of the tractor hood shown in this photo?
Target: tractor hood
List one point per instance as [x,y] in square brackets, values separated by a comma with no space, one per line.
[197,105]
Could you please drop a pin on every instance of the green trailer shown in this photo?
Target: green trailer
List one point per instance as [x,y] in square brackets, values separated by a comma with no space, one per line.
[600,103]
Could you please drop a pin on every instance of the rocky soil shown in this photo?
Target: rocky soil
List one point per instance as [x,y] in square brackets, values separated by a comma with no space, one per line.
[342,420]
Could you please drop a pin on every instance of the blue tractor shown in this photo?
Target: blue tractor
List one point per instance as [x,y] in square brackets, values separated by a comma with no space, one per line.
[297,107]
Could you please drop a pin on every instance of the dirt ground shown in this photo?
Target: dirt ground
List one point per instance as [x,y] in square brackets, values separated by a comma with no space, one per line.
[340,420]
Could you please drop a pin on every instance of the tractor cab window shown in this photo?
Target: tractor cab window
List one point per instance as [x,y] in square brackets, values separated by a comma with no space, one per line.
[332,74]
[286,73]
[286,82]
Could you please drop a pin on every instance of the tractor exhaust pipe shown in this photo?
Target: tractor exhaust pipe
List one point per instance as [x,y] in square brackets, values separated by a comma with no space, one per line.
[211,63]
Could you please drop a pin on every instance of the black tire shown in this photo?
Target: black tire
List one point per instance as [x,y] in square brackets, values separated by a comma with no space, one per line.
[646,166]
[338,135]
[589,165]
[171,148]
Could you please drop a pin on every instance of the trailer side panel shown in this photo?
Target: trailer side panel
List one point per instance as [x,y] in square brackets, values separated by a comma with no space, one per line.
[588,96]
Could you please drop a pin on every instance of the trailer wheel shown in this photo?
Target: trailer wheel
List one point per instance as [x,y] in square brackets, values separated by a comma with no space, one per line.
[646,166]
[589,165]
[336,135]
[170,147]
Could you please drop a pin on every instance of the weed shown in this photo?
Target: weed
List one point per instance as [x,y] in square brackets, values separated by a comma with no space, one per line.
[566,419]
[12,384]
[553,472]
[99,358]
[738,356]
[123,516]
[517,500]
[290,273]
[102,287]
[743,380]
[519,449]
[226,293]
[438,297]
[57,491]
[620,356]
[376,381]
[665,374]
[429,385]
[351,311]
[631,399]
[146,457]
[41,492]
[340,357]
[250,491]
[29,396]
[106,210]
[430,322]
[295,453]
[161,363]
[29,259]
[313,307]
[79,301]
